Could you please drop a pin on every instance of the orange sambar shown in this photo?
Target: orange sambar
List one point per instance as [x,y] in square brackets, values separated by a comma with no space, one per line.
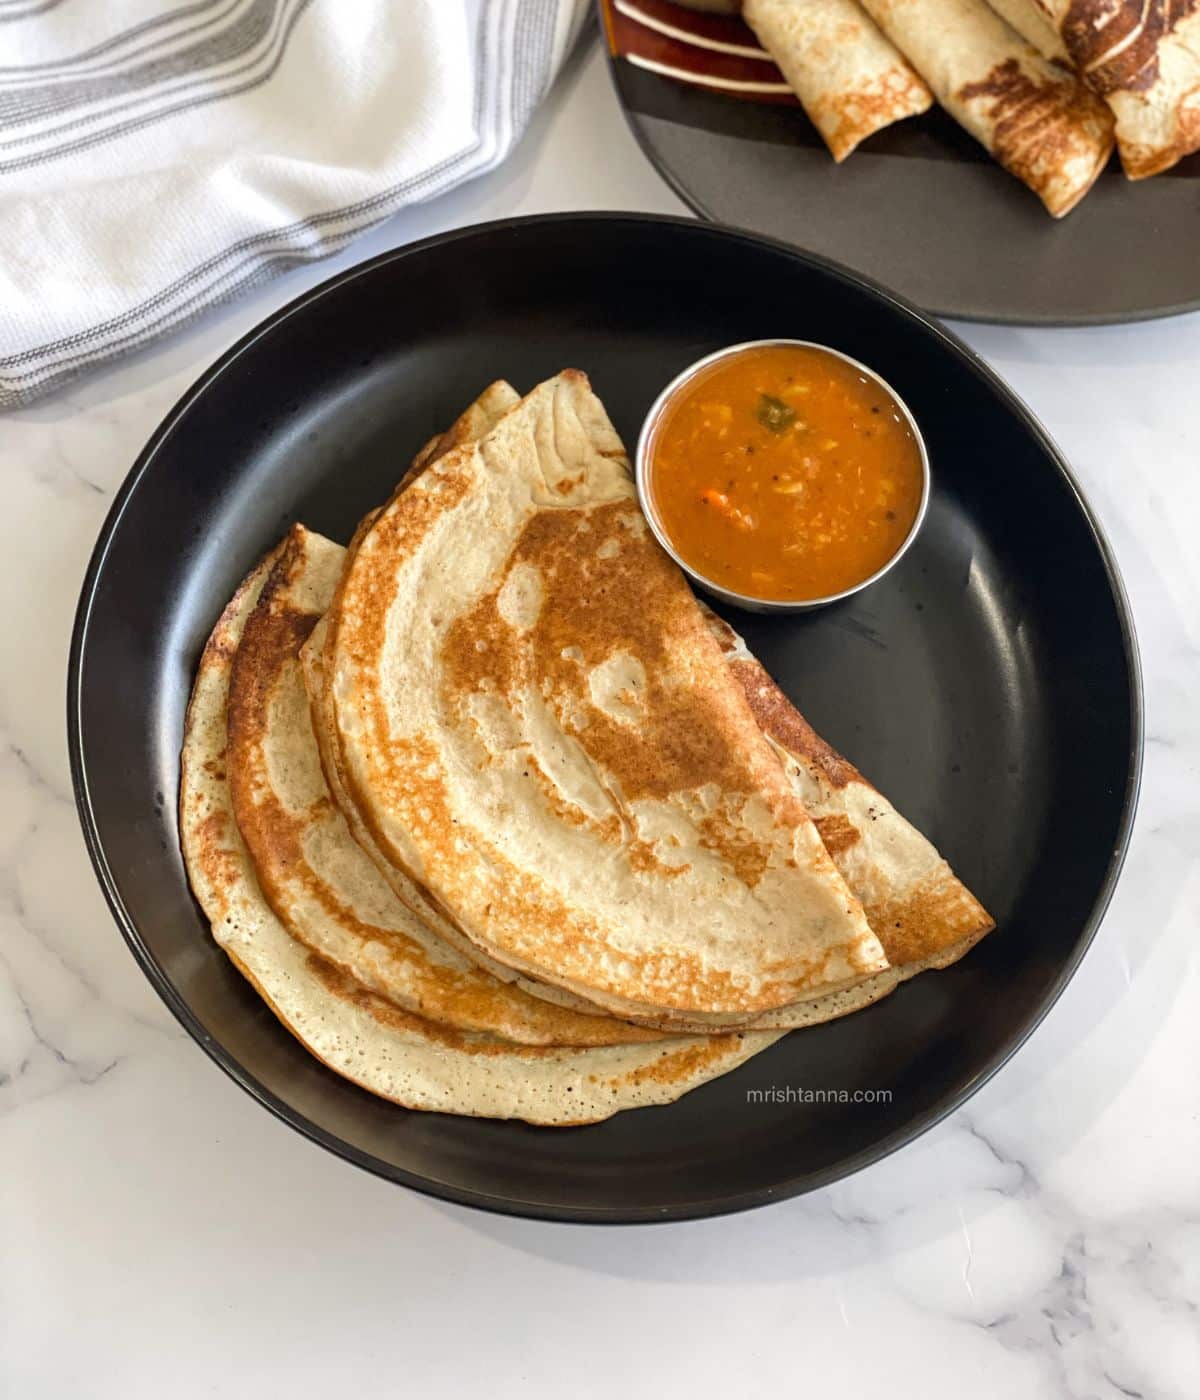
[783,472]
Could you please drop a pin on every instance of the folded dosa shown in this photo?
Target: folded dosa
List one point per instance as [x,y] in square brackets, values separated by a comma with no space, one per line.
[368,1040]
[1039,121]
[320,883]
[924,916]
[922,913]
[480,416]
[534,722]
[850,80]
[1143,57]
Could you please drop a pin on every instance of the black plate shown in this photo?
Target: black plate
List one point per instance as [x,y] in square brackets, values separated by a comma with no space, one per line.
[989,685]
[922,207]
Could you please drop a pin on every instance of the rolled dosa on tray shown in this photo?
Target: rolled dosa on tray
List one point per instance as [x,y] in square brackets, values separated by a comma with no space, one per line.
[405,1058]
[1039,121]
[534,722]
[924,916]
[365,980]
[849,78]
[1143,58]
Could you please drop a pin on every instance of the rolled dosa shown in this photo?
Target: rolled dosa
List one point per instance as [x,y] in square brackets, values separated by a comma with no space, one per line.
[320,884]
[850,80]
[1143,58]
[1039,121]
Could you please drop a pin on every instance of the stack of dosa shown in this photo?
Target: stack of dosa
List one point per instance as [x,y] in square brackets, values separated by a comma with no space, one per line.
[487,805]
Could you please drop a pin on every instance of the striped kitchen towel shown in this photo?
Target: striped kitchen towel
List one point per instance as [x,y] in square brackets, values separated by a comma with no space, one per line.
[158,157]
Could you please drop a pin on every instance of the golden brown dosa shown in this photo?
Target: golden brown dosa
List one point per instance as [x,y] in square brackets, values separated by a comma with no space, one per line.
[392,1053]
[587,793]
[1038,120]
[319,882]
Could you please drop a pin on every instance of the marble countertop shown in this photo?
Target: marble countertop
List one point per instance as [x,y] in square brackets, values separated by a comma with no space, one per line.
[161,1234]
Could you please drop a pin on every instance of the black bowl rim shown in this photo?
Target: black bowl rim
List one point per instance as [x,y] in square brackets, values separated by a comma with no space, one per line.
[504,1205]
[676,183]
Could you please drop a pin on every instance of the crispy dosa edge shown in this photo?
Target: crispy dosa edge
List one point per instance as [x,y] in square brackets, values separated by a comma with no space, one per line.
[919,927]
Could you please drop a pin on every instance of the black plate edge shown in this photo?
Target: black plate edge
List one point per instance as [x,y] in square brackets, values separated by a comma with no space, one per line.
[675,183]
[501,1205]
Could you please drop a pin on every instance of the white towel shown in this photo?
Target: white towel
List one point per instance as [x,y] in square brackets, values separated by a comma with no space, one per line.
[158,157]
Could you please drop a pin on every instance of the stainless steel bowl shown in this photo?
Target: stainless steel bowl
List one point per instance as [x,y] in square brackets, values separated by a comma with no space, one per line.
[742,600]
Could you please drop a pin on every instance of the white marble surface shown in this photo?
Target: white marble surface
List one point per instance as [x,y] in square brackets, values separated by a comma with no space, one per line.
[162,1235]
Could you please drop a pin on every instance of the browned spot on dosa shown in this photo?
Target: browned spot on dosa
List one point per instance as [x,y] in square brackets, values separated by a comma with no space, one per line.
[918,924]
[1037,125]
[393,1017]
[848,118]
[680,1064]
[345,988]
[1114,43]
[212,852]
[779,719]
[684,738]
[838,832]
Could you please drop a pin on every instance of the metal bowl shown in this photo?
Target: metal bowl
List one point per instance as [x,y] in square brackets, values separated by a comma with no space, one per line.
[743,600]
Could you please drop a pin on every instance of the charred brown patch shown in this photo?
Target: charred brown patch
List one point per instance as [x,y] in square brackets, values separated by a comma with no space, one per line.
[688,736]
[1116,45]
[838,833]
[221,648]
[746,857]
[388,1014]
[274,633]
[211,851]
[1038,124]
[590,612]
[643,858]
[680,1065]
